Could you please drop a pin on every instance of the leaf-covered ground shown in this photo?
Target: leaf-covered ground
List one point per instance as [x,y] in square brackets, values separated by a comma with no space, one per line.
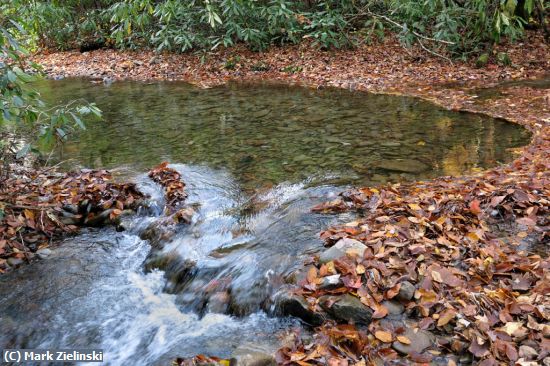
[38,207]
[472,251]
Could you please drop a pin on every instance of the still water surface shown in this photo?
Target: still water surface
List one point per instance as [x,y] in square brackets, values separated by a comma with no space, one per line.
[265,134]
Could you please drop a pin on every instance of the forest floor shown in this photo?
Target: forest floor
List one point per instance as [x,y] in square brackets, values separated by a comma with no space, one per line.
[466,258]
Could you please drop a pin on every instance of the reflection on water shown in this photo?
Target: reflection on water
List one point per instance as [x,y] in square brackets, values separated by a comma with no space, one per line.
[265,135]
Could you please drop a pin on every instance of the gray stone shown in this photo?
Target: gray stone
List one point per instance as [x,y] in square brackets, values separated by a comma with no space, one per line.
[347,308]
[341,248]
[252,355]
[394,308]
[403,166]
[218,303]
[43,253]
[14,262]
[406,291]
[420,340]
[295,305]
[331,282]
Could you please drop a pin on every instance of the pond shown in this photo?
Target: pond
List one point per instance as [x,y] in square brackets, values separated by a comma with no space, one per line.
[264,134]
[255,159]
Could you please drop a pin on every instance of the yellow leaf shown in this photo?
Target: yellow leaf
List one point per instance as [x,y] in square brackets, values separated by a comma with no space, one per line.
[312,275]
[512,328]
[403,339]
[446,317]
[29,214]
[414,206]
[383,336]
[473,236]
[360,269]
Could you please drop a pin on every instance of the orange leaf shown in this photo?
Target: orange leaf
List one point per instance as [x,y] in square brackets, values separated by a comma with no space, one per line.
[474,207]
[383,336]
[312,275]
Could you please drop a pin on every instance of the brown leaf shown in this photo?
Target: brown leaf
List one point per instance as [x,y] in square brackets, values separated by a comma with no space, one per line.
[479,350]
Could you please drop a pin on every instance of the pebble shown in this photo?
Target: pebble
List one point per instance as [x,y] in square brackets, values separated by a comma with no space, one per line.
[420,340]
[342,247]
[252,355]
[394,308]
[44,253]
[348,308]
[406,291]
[14,262]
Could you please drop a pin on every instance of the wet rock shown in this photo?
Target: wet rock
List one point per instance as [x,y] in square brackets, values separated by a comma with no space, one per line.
[84,207]
[346,308]
[43,253]
[124,220]
[394,308]
[14,262]
[72,209]
[99,219]
[249,298]
[341,248]
[420,340]
[176,269]
[158,234]
[70,219]
[295,305]
[406,291]
[218,302]
[331,282]
[403,166]
[252,355]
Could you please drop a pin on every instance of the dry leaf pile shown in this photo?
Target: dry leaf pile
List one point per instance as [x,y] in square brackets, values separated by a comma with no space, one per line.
[480,288]
[170,179]
[39,206]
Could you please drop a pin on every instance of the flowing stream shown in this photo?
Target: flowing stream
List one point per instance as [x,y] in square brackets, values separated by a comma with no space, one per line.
[255,159]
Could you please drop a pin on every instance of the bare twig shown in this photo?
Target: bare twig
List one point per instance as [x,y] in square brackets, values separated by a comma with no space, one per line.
[433,52]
